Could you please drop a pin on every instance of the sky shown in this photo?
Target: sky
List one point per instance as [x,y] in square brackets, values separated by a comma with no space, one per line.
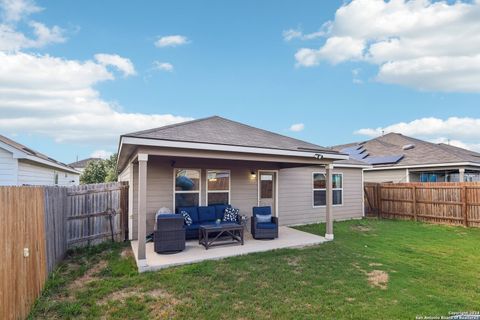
[74,75]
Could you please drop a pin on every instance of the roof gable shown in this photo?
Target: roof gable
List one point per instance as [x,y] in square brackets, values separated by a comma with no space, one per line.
[30,154]
[218,130]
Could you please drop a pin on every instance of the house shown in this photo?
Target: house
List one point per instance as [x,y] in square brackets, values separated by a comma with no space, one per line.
[80,165]
[20,165]
[397,158]
[229,162]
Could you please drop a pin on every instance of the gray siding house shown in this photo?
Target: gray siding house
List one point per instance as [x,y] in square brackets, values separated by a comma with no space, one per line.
[20,165]
[233,163]
[397,158]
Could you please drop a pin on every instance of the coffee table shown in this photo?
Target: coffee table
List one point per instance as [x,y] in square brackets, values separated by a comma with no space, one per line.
[213,234]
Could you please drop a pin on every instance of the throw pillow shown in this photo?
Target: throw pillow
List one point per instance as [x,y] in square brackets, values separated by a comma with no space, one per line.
[263,218]
[186,217]
[231,215]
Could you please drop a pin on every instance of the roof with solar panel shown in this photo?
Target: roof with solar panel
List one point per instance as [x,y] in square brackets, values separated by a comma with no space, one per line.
[394,149]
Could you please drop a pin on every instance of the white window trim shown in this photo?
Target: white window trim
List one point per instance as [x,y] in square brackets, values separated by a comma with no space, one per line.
[218,191]
[320,189]
[199,186]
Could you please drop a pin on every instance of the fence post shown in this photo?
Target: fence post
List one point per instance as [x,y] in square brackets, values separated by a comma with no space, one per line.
[414,198]
[379,200]
[464,205]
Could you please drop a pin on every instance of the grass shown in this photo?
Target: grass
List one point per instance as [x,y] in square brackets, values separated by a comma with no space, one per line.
[375,269]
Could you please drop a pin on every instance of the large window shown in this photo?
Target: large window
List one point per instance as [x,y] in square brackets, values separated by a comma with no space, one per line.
[187,187]
[218,187]
[320,189]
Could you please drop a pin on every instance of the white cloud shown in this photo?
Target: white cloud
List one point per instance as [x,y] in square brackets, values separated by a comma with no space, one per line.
[163,66]
[296,127]
[56,98]
[461,132]
[13,40]
[103,154]
[425,44]
[15,10]
[122,64]
[171,41]
[291,34]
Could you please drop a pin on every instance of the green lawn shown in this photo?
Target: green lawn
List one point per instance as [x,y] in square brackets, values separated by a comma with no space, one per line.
[376,269]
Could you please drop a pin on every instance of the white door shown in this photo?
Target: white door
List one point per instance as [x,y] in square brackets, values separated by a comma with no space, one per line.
[267,189]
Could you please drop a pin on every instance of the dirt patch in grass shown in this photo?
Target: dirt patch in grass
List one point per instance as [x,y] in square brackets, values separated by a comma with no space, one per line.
[89,276]
[360,228]
[378,278]
[375,264]
[126,253]
[161,304]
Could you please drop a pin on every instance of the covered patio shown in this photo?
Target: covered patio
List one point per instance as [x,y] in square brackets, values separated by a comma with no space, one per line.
[243,167]
[194,252]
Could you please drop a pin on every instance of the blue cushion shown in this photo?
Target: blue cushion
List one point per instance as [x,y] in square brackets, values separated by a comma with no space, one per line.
[220,210]
[266,225]
[192,211]
[193,226]
[263,211]
[206,214]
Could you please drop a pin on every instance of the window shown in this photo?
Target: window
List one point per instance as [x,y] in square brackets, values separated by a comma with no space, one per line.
[218,187]
[320,189]
[55,177]
[187,187]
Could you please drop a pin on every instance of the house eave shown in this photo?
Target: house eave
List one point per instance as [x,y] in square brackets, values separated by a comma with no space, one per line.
[126,140]
[432,165]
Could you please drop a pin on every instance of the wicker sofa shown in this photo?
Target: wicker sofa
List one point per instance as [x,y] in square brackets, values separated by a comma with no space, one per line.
[169,235]
[202,215]
[264,230]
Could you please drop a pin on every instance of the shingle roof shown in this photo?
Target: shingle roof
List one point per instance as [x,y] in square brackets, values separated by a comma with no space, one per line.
[393,145]
[34,153]
[83,163]
[218,130]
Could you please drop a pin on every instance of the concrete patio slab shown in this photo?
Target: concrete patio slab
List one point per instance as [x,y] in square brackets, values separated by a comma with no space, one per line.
[194,252]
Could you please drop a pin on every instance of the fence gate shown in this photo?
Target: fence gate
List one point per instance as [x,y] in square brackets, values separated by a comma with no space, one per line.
[96,211]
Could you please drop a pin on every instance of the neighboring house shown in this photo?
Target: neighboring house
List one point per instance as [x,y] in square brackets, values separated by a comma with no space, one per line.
[398,158]
[80,165]
[20,165]
[216,160]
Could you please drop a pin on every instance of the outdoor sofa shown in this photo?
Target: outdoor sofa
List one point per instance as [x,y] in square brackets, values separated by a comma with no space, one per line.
[203,215]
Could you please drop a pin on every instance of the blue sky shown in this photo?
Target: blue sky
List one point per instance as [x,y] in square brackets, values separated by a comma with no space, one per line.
[236,63]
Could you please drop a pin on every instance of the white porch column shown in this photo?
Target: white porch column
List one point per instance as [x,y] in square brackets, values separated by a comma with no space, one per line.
[461,175]
[142,208]
[329,200]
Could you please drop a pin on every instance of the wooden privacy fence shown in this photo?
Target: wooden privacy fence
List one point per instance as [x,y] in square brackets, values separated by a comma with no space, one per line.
[39,224]
[442,203]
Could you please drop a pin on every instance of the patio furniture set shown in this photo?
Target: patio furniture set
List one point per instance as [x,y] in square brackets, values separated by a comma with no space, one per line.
[211,226]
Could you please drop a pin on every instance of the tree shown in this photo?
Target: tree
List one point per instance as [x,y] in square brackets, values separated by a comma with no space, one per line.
[100,171]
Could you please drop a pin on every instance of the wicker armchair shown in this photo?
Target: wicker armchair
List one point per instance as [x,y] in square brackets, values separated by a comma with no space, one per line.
[266,230]
[170,234]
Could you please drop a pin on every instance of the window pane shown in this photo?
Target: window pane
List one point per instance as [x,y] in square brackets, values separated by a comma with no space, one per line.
[337,197]
[186,199]
[217,198]
[319,198]
[319,181]
[218,180]
[337,181]
[187,180]
[266,189]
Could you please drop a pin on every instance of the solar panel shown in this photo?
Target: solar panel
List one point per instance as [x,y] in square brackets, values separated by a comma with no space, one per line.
[384,160]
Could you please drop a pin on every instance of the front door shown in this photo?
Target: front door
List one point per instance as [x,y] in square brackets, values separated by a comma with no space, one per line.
[267,189]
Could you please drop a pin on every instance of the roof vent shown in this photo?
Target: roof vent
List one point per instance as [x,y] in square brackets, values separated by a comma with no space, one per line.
[408,146]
